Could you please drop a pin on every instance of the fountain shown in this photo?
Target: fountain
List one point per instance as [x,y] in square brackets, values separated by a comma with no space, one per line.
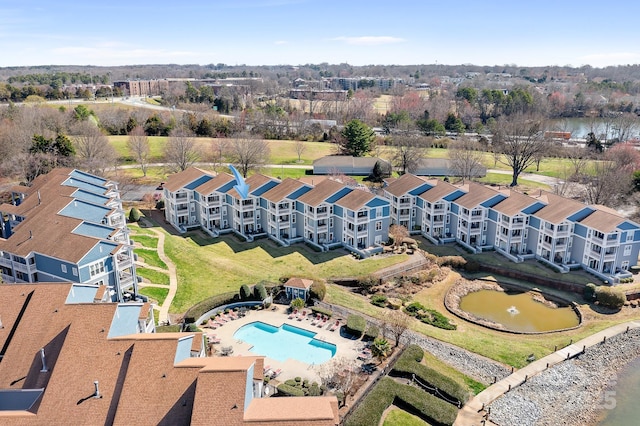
[513,310]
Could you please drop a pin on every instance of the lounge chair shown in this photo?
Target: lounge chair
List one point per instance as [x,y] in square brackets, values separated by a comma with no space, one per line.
[323,323]
[315,320]
[301,317]
[335,326]
[276,373]
[266,369]
[293,314]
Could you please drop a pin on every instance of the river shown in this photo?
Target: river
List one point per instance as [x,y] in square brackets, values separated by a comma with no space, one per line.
[621,399]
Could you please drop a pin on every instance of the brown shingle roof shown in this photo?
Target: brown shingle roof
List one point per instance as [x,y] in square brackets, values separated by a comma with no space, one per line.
[514,204]
[299,283]
[602,220]
[355,200]
[185,177]
[301,409]
[282,190]
[214,184]
[254,182]
[558,208]
[321,192]
[477,194]
[438,192]
[404,184]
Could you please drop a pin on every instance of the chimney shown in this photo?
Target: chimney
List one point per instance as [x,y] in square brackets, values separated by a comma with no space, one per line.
[44,363]
[96,394]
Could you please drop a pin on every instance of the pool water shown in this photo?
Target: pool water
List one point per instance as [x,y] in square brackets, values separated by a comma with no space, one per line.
[285,342]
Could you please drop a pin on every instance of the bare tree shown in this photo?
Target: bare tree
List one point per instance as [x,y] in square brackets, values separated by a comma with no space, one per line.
[248,152]
[300,148]
[340,374]
[138,144]
[579,158]
[606,184]
[397,323]
[408,152]
[95,153]
[398,233]
[219,151]
[519,138]
[465,158]
[181,151]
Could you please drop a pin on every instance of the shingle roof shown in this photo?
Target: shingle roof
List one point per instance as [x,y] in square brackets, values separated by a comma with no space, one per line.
[438,192]
[477,194]
[282,190]
[558,208]
[180,180]
[321,192]
[299,283]
[514,203]
[355,200]
[404,184]
[301,409]
[214,184]
[254,182]
[603,220]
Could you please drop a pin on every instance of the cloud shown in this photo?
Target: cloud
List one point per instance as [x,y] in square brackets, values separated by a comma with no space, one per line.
[369,40]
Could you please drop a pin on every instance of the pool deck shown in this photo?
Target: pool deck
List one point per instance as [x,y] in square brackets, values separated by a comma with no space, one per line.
[291,368]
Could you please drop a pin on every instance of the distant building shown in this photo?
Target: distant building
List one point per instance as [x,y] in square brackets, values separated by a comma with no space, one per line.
[441,167]
[348,165]
[142,87]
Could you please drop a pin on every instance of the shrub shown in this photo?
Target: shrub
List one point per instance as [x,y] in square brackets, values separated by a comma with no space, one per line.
[134,215]
[314,390]
[291,382]
[356,325]
[428,276]
[367,281]
[610,298]
[321,311]
[379,300]
[160,205]
[452,261]
[429,316]
[589,292]
[297,303]
[287,390]
[472,266]
[245,292]
[199,309]
[372,332]
[318,290]
[259,292]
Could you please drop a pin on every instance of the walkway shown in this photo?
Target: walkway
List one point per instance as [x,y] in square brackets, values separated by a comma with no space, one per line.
[163,316]
[473,413]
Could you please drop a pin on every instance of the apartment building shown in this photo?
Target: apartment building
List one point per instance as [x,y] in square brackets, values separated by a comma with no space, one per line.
[327,215]
[68,226]
[564,233]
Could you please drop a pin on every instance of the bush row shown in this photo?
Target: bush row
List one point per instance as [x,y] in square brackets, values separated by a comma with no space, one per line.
[322,311]
[429,316]
[387,392]
[409,363]
[201,308]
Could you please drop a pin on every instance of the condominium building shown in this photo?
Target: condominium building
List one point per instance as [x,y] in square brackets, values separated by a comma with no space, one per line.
[562,232]
[329,214]
[68,226]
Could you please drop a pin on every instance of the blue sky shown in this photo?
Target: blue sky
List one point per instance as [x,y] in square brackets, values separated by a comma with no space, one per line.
[359,32]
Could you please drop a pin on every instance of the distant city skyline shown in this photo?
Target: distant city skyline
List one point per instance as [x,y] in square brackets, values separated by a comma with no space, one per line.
[296,32]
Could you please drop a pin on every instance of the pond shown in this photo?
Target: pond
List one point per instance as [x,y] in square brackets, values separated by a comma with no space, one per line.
[518,312]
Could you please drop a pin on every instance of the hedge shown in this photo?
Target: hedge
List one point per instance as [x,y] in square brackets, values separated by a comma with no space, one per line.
[372,332]
[379,300]
[610,298]
[429,316]
[410,398]
[409,363]
[322,311]
[245,292]
[201,308]
[285,389]
[356,325]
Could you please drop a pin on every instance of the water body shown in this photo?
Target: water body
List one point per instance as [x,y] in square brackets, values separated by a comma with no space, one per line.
[518,312]
[625,395]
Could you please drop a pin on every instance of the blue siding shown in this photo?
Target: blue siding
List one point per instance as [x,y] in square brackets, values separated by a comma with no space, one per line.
[580,230]
[493,215]
[299,207]
[420,202]
[100,251]
[196,196]
[229,199]
[627,225]
[248,390]
[52,266]
[337,210]
[263,203]
[196,183]
[183,349]
[386,211]
[534,222]
[454,208]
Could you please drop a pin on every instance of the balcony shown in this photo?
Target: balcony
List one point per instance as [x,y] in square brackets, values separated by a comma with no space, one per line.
[124,260]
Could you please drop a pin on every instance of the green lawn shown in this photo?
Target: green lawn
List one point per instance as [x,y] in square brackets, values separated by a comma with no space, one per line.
[146,240]
[208,266]
[505,180]
[398,417]
[155,277]
[155,293]
[150,257]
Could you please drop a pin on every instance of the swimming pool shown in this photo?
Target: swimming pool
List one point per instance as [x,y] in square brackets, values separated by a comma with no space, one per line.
[287,341]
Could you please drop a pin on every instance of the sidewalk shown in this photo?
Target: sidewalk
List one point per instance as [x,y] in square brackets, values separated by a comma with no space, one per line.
[472,414]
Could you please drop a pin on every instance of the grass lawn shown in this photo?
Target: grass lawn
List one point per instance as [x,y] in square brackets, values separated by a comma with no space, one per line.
[150,257]
[155,293]
[208,266]
[505,180]
[146,240]
[155,277]
[398,417]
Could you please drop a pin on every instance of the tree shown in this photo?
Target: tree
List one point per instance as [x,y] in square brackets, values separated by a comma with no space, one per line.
[138,144]
[318,290]
[245,292]
[408,152]
[465,158]
[358,139]
[397,323]
[297,303]
[82,113]
[248,152]
[92,147]
[380,348]
[300,148]
[454,124]
[181,151]
[519,140]
[593,143]
[380,172]
[398,233]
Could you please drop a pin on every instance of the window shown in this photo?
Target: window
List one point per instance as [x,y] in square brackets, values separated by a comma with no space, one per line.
[629,236]
[627,250]
[63,268]
[293,218]
[96,268]
[378,211]
[379,225]
[74,271]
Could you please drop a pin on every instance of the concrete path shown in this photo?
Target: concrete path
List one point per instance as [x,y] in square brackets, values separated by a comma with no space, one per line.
[474,414]
[163,317]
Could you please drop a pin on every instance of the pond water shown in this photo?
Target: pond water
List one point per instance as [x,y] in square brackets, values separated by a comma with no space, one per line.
[518,312]
[621,403]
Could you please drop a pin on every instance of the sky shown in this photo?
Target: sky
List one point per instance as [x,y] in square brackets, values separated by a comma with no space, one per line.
[296,32]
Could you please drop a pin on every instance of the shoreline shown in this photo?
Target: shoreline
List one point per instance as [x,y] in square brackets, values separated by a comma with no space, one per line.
[572,392]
